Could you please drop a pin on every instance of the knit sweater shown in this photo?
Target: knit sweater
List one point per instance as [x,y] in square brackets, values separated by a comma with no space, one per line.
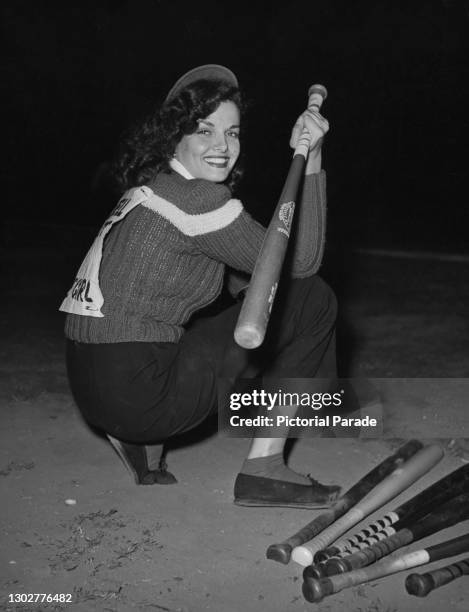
[166,259]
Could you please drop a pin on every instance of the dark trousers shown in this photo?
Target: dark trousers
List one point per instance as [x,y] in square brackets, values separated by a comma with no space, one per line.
[146,392]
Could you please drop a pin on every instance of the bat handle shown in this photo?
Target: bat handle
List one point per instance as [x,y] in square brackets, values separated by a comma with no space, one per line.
[316,96]
[282,552]
[422,584]
[369,555]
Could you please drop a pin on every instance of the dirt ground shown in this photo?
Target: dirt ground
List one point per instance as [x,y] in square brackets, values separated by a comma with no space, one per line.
[188,547]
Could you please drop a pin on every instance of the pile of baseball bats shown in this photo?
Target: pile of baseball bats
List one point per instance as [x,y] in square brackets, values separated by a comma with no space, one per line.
[332,562]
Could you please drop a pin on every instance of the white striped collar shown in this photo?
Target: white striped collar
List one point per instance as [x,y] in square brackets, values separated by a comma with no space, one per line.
[179,168]
[196,224]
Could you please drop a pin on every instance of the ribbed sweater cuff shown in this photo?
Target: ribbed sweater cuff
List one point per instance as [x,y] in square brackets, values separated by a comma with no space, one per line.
[311,226]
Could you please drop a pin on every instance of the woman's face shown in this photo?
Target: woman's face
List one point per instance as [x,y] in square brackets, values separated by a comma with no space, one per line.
[212,150]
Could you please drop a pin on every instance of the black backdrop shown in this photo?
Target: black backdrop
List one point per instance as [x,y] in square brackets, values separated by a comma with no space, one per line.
[397,75]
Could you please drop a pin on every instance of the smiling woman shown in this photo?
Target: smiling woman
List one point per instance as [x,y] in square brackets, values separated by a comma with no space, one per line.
[213,149]
[140,367]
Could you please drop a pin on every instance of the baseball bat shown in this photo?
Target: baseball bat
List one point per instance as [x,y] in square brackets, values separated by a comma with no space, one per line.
[281,552]
[315,590]
[255,312]
[421,585]
[392,485]
[433,496]
[453,511]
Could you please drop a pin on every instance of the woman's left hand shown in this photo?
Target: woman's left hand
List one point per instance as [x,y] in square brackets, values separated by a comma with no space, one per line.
[315,124]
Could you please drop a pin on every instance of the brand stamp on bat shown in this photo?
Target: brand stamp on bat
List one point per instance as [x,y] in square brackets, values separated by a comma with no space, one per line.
[285,215]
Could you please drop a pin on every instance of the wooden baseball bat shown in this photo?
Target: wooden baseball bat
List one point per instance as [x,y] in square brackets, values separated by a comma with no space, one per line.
[421,585]
[315,590]
[281,552]
[449,486]
[453,511]
[257,305]
[386,490]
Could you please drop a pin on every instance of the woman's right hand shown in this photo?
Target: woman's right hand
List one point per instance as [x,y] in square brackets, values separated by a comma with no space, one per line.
[315,124]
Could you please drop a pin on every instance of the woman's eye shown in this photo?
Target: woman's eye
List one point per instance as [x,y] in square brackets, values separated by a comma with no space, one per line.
[233,134]
[203,131]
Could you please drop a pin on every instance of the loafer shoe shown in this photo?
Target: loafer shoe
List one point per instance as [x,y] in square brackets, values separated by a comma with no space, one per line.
[259,491]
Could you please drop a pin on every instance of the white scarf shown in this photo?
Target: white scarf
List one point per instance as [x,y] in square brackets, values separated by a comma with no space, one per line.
[179,168]
[85,297]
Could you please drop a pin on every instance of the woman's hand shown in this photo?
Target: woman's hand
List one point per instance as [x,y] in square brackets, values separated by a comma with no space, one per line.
[317,126]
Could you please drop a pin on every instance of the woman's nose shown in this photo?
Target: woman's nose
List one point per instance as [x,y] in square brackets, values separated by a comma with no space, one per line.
[220,143]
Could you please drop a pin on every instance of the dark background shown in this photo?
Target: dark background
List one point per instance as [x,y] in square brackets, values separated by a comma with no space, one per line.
[397,75]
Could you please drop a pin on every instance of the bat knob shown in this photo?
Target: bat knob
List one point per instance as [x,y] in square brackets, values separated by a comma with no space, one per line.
[323,555]
[336,566]
[318,89]
[316,571]
[419,584]
[279,552]
[302,555]
[314,591]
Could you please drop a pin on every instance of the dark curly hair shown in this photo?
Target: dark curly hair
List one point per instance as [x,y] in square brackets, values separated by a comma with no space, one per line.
[148,147]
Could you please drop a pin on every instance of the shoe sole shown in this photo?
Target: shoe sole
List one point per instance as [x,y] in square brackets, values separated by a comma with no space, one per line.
[121,452]
[260,504]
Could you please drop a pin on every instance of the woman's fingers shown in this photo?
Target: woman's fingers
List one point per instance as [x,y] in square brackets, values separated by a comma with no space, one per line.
[296,132]
[313,118]
[315,123]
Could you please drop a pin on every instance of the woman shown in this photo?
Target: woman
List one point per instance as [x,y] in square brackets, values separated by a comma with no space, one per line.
[138,368]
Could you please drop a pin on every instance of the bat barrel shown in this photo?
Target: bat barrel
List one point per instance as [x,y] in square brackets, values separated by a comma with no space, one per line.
[257,305]
[451,512]
[434,495]
[401,478]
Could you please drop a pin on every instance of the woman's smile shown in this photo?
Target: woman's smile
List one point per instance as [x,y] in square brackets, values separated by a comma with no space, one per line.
[221,162]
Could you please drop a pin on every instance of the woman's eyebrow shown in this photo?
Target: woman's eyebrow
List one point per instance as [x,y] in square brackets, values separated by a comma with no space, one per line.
[235,125]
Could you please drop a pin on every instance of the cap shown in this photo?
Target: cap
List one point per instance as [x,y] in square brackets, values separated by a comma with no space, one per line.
[207,71]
